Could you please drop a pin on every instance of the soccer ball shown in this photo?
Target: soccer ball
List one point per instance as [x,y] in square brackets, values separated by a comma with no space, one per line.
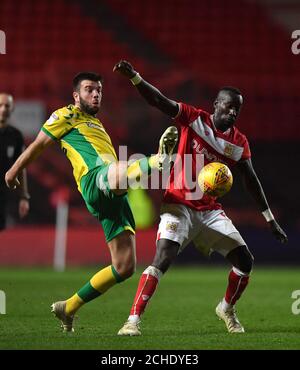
[215,179]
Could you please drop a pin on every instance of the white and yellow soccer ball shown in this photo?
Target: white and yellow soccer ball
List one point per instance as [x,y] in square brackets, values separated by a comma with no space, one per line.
[215,179]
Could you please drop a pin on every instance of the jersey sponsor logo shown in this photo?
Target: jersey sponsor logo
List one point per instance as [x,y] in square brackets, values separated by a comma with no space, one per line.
[172,226]
[211,157]
[54,117]
[145,297]
[94,125]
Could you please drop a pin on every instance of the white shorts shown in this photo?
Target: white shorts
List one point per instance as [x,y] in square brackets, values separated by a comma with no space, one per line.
[208,230]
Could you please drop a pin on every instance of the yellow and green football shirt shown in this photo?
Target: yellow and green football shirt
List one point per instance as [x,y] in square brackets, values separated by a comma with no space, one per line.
[83,139]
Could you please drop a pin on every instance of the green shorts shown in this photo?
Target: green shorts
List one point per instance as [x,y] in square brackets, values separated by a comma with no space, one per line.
[113,211]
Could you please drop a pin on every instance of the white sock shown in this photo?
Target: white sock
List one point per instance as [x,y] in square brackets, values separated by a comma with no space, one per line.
[226,306]
[134,319]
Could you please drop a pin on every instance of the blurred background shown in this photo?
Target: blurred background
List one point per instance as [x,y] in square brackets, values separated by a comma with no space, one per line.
[188,49]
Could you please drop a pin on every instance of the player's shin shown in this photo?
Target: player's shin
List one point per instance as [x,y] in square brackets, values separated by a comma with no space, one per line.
[146,288]
[99,284]
[237,283]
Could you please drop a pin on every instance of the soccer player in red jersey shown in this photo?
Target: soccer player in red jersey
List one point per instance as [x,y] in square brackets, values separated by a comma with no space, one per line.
[185,218]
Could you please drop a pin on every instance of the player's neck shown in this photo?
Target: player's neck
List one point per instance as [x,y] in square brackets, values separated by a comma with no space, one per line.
[3,124]
[224,130]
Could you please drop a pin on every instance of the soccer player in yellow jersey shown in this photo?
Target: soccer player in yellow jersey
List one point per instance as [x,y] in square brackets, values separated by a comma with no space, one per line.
[99,177]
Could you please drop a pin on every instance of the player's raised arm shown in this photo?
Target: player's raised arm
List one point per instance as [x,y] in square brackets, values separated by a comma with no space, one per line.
[150,93]
[254,187]
[29,155]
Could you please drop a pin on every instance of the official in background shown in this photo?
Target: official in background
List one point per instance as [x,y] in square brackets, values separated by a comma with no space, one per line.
[11,146]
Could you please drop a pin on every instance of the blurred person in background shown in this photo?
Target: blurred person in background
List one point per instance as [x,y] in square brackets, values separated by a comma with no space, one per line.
[201,220]
[101,179]
[11,146]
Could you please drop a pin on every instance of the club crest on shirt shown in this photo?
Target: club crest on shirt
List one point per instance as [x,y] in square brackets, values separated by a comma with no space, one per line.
[172,227]
[228,150]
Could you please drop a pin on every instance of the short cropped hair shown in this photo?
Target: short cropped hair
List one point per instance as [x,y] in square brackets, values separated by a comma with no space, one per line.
[91,76]
[231,90]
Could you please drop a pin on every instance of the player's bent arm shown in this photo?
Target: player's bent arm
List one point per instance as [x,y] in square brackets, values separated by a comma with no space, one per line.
[24,194]
[150,93]
[155,98]
[41,142]
[252,183]
[254,187]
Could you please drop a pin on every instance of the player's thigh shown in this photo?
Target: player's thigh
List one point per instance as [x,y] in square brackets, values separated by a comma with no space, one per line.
[117,177]
[217,233]
[175,224]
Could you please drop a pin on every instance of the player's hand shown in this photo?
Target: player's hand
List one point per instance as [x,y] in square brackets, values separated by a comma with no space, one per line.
[11,180]
[23,207]
[125,69]
[277,231]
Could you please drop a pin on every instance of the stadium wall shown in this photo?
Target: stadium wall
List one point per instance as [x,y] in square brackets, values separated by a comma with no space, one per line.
[35,247]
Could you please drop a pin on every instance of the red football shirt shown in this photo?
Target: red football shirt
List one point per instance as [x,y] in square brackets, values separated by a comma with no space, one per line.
[201,143]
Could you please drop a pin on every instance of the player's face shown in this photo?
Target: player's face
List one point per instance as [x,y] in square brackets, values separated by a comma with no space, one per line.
[6,107]
[90,95]
[227,109]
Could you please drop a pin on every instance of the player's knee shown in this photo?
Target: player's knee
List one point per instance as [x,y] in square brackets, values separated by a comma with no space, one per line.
[126,270]
[241,258]
[166,253]
[246,262]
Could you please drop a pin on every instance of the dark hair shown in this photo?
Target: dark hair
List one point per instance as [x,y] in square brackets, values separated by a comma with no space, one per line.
[85,76]
[231,90]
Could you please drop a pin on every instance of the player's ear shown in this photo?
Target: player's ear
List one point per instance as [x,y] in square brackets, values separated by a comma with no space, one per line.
[215,103]
[76,96]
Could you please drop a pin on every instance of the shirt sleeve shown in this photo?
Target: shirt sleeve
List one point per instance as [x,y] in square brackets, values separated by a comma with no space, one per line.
[187,114]
[59,123]
[247,152]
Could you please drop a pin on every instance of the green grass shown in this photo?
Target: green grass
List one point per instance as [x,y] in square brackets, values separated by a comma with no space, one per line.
[180,315]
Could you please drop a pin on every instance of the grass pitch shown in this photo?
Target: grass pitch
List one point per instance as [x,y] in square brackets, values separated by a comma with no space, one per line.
[180,315]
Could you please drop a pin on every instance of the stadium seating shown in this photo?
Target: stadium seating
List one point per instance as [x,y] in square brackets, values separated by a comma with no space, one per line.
[237,45]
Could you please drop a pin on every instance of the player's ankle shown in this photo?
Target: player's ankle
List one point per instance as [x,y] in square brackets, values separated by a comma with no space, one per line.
[226,306]
[134,319]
